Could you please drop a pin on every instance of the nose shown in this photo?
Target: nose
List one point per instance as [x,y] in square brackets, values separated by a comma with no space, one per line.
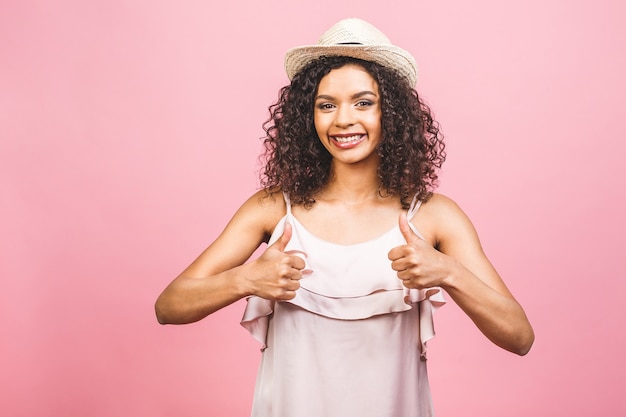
[344,116]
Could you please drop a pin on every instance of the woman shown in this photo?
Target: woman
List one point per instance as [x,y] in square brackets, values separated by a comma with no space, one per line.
[359,246]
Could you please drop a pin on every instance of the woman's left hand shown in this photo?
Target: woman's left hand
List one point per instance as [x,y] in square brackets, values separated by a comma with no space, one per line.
[459,266]
[418,264]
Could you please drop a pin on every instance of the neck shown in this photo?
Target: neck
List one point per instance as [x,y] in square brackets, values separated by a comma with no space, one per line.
[353,183]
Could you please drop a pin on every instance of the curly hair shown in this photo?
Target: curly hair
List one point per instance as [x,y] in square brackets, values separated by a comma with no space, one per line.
[411,150]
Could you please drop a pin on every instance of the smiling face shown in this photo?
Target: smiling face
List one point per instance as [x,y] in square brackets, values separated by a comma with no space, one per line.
[348,114]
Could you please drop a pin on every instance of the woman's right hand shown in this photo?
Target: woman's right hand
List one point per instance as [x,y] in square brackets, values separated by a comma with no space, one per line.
[222,274]
[276,274]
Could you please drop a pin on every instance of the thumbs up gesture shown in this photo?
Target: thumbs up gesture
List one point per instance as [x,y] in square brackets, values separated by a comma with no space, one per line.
[418,264]
[276,273]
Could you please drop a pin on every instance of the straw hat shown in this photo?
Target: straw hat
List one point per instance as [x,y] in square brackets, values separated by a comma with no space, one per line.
[354,38]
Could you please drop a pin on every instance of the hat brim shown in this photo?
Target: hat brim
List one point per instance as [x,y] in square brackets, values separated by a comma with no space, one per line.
[386,55]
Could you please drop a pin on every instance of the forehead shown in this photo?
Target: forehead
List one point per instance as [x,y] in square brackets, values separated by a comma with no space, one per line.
[349,78]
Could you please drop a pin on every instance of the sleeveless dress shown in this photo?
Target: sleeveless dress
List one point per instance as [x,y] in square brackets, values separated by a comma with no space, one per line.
[353,340]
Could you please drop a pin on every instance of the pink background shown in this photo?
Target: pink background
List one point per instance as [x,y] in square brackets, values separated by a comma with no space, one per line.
[129,135]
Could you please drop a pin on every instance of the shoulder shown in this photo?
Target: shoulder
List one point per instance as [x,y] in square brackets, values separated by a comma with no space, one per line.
[261,211]
[250,226]
[445,222]
[440,205]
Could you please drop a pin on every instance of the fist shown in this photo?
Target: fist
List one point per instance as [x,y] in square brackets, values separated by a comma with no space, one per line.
[276,274]
[417,263]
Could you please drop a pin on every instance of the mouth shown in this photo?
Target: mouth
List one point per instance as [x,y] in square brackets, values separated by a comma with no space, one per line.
[348,141]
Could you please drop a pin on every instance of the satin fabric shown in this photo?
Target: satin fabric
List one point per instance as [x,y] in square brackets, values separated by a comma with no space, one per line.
[353,340]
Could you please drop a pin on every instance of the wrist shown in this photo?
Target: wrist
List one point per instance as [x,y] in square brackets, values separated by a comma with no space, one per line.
[451,278]
[243,286]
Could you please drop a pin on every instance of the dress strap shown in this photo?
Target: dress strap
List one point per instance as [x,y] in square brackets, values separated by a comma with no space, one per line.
[415,205]
[288,203]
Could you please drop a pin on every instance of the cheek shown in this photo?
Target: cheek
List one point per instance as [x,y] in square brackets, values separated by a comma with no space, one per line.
[321,124]
[374,123]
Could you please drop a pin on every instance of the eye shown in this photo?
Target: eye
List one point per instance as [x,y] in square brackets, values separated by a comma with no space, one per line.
[325,106]
[364,103]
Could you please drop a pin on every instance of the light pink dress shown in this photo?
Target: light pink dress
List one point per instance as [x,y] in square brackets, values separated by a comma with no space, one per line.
[348,345]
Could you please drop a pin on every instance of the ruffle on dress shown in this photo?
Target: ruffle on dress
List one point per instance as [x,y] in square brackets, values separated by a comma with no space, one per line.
[258,310]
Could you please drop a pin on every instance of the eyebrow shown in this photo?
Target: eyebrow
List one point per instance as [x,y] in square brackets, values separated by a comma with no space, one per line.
[354,96]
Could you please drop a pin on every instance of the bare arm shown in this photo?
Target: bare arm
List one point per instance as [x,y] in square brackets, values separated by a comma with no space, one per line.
[220,276]
[462,269]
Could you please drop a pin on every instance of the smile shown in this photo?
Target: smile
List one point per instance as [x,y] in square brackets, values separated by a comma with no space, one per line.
[348,140]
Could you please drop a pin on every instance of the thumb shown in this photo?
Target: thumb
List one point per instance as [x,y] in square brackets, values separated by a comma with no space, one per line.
[284,239]
[407,232]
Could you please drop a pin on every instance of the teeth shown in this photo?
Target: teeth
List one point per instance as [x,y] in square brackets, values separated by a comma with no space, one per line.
[347,138]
